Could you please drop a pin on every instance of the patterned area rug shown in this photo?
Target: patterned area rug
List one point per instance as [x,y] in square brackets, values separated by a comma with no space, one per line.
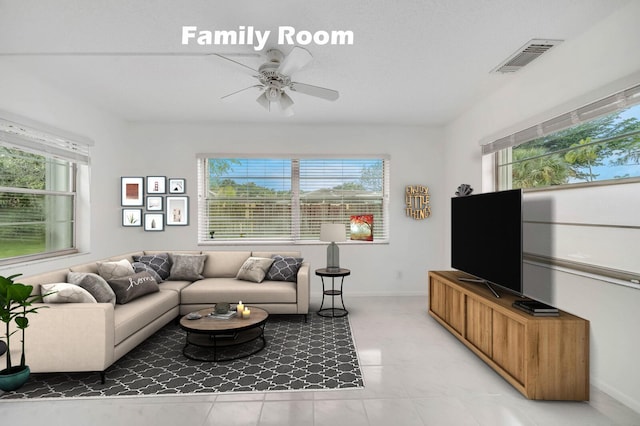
[319,354]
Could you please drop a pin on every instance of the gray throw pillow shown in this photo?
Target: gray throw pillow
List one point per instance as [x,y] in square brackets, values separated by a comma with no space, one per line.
[160,262]
[109,270]
[187,267]
[94,284]
[254,269]
[284,268]
[133,286]
[65,293]
[143,267]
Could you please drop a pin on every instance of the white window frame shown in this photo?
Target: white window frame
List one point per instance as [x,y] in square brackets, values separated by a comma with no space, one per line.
[501,148]
[382,229]
[40,139]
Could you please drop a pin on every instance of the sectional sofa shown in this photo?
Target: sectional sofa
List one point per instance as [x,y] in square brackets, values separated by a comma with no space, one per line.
[91,336]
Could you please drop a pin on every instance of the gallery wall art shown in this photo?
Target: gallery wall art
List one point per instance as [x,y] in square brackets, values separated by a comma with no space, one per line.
[158,206]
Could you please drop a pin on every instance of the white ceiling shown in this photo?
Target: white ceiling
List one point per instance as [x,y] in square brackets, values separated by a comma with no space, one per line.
[417,62]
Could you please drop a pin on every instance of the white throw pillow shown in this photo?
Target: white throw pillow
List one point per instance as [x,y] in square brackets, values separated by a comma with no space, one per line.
[111,270]
[65,293]
[254,269]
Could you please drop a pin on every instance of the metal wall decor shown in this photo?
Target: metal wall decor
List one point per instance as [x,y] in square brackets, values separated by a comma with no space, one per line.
[416,198]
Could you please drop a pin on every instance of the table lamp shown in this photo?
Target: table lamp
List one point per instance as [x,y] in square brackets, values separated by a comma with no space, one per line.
[332,232]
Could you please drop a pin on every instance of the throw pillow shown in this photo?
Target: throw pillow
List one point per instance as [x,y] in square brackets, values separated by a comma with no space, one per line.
[94,284]
[109,270]
[284,268]
[133,286]
[187,267]
[254,269]
[65,293]
[143,267]
[160,262]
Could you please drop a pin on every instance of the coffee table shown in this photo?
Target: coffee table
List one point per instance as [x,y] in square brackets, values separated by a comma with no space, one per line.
[213,339]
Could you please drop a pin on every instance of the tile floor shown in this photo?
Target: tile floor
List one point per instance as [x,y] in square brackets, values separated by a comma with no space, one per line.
[415,373]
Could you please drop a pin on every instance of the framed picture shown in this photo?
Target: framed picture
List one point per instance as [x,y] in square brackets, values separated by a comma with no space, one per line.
[177,210]
[131,190]
[154,203]
[154,221]
[361,227]
[131,217]
[176,186]
[156,184]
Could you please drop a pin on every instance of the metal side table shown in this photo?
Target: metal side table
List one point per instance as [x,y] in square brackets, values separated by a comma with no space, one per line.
[333,274]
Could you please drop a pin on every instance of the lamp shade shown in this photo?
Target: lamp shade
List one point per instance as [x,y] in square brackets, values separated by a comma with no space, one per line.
[332,232]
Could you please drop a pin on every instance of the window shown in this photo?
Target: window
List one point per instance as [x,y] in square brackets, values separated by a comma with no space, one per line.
[599,142]
[37,192]
[286,199]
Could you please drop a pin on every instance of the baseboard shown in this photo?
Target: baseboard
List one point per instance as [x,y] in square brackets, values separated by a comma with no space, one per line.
[617,395]
[350,294]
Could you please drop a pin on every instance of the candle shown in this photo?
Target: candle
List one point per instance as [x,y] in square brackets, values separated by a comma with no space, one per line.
[246,313]
[240,308]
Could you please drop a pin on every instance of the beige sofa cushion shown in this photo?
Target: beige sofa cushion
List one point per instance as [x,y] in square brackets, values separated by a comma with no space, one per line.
[86,267]
[174,285]
[271,253]
[231,290]
[59,276]
[223,264]
[128,256]
[138,313]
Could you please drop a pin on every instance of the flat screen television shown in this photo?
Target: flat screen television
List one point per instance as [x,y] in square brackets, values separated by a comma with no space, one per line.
[486,238]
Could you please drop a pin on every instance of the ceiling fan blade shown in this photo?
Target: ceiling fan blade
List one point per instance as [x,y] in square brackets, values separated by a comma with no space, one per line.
[242,90]
[297,59]
[318,92]
[236,62]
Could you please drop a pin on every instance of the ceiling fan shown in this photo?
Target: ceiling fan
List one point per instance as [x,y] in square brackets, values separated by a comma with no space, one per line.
[274,77]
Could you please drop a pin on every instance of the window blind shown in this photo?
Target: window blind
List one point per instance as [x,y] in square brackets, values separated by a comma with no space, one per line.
[286,199]
[250,200]
[39,139]
[613,103]
[333,190]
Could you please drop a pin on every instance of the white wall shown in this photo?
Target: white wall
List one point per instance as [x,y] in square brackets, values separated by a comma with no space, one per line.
[416,153]
[577,72]
[25,96]
[125,149]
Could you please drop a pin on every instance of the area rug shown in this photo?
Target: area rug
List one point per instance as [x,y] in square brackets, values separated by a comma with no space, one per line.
[316,355]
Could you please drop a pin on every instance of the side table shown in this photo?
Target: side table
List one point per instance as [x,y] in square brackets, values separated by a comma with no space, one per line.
[332,273]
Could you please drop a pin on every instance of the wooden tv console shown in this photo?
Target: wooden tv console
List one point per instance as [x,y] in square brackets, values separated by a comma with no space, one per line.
[544,358]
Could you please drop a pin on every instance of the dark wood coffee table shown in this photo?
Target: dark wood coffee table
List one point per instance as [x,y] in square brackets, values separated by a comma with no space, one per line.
[213,339]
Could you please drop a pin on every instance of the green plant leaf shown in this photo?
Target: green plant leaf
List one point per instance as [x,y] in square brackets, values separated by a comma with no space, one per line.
[22,322]
[19,293]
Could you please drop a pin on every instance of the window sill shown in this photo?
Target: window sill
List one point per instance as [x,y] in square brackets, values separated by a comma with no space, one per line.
[284,243]
[37,259]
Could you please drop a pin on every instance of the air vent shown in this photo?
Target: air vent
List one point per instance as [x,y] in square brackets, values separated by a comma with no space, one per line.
[525,55]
